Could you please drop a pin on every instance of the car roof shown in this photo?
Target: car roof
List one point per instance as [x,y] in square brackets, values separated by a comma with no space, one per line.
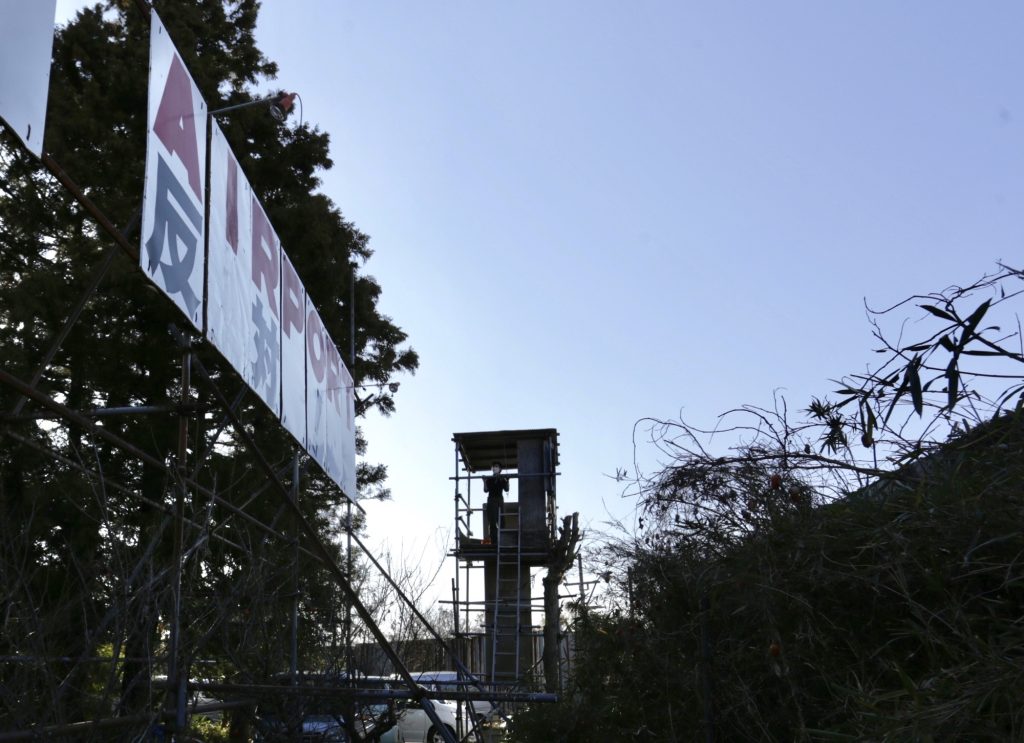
[436,676]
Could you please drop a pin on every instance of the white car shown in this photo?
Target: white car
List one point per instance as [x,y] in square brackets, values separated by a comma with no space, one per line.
[479,711]
[417,727]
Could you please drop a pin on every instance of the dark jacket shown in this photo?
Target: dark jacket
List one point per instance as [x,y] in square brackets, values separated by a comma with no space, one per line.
[495,485]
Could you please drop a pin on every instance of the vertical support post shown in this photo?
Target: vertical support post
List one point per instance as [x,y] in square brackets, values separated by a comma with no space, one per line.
[352,320]
[460,646]
[294,668]
[455,608]
[177,671]
[478,668]
[349,656]
[455,580]
[294,724]
[350,665]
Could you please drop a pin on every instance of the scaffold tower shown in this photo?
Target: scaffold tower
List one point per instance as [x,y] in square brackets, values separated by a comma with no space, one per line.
[498,621]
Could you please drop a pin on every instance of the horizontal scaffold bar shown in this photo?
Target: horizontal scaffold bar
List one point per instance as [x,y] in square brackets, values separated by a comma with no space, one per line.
[356,692]
[509,475]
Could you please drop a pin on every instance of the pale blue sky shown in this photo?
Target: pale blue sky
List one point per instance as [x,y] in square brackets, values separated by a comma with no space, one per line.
[585,213]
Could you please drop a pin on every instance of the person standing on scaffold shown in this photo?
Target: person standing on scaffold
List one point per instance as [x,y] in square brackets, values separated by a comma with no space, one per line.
[495,485]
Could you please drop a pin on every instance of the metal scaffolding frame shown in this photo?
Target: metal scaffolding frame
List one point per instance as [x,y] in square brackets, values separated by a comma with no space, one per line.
[493,608]
[195,526]
[141,583]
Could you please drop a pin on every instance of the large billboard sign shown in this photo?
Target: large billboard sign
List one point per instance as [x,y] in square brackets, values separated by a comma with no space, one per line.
[172,203]
[26,42]
[257,312]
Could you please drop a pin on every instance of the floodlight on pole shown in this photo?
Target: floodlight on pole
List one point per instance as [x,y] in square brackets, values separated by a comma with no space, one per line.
[280,105]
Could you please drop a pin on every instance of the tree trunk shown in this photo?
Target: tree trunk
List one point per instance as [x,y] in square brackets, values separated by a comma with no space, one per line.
[551,640]
[562,555]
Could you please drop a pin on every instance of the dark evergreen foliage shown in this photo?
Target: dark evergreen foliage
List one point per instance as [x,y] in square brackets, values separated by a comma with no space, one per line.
[854,575]
[892,615]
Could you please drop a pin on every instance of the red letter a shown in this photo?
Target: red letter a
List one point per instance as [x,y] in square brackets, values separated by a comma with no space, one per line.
[176,122]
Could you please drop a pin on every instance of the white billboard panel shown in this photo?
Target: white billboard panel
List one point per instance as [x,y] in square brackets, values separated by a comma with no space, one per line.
[341,429]
[244,277]
[317,343]
[293,351]
[261,319]
[229,304]
[263,372]
[172,203]
[330,422]
[26,42]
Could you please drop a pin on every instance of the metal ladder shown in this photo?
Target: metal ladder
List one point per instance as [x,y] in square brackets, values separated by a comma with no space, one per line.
[507,597]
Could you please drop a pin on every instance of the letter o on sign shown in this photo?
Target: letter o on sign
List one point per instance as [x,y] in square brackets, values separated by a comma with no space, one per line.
[316,345]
